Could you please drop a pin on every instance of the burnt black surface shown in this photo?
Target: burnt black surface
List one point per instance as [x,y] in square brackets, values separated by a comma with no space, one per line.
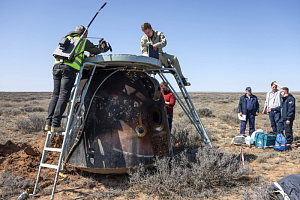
[124,104]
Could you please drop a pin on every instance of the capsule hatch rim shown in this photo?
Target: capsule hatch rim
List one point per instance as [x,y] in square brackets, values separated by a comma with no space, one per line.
[129,60]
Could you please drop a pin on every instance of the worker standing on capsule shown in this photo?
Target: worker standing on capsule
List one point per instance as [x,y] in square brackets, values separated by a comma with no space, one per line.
[157,40]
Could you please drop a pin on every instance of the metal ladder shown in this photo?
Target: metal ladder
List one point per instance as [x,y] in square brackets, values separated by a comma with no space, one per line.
[189,107]
[69,128]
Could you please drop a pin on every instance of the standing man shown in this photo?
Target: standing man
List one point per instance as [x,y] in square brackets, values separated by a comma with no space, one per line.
[169,101]
[273,101]
[248,106]
[287,109]
[64,75]
[158,41]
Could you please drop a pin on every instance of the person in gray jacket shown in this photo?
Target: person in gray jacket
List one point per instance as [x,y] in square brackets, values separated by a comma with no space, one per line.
[273,101]
[158,40]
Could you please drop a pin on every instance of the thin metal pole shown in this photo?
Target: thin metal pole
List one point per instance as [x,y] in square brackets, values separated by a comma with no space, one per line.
[194,118]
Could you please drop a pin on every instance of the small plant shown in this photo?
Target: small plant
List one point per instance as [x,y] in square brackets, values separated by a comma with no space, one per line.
[259,193]
[101,194]
[89,182]
[230,118]
[235,110]
[9,112]
[205,112]
[33,109]
[34,123]
[12,185]
[262,158]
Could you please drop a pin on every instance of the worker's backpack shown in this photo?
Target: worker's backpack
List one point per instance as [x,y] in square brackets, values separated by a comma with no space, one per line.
[280,140]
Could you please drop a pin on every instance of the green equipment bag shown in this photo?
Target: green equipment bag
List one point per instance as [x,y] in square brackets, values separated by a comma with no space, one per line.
[264,139]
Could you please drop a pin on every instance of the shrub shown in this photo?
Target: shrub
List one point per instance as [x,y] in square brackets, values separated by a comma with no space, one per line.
[259,193]
[235,110]
[9,112]
[89,182]
[183,136]
[179,133]
[33,109]
[263,158]
[6,105]
[230,118]
[205,112]
[191,177]
[298,109]
[11,185]
[34,123]
[108,194]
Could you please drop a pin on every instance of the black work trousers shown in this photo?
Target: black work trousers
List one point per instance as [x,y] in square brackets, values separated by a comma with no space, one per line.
[63,77]
[288,129]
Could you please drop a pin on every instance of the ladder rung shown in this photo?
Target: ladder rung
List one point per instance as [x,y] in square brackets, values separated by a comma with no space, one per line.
[52,149]
[49,166]
[64,116]
[57,133]
[70,100]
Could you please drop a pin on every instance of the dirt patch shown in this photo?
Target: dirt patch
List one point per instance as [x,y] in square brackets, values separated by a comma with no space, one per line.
[15,158]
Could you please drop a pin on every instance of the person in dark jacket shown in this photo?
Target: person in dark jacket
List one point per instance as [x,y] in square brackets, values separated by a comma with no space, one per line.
[248,106]
[287,109]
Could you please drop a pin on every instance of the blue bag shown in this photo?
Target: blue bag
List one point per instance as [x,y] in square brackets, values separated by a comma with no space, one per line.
[280,140]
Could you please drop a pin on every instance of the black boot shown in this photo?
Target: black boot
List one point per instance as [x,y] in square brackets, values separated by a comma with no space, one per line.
[185,83]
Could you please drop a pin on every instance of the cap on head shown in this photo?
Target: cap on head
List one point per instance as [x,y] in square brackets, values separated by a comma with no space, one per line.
[248,88]
[80,29]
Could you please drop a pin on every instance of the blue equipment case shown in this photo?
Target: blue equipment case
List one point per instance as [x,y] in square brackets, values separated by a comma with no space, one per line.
[264,139]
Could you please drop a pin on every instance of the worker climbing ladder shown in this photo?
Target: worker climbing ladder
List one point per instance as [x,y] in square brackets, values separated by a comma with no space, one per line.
[188,108]
[69,127]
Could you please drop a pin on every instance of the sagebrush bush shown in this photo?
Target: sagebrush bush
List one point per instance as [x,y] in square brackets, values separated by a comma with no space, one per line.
[189,176]
[34,123]
[263,158]
[33,109]
[89,182]
[101,194]
[12,185]
[230,118]
[184,135]
[205,112]
[9,112]
[298,109]
[6,105]
[235,109]
[259,193]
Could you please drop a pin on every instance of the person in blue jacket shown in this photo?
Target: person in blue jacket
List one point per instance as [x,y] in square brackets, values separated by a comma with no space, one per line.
[287,110]
[248,106]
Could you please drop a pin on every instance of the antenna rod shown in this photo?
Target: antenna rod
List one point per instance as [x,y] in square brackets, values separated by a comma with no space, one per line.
[96,14]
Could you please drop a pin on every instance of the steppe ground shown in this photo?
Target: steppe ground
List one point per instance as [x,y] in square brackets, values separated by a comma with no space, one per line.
[22,118]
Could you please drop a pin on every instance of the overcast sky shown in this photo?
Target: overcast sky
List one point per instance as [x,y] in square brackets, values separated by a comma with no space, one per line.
[222,45]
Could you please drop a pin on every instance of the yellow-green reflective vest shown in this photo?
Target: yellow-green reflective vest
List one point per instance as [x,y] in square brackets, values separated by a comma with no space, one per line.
[78,59]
